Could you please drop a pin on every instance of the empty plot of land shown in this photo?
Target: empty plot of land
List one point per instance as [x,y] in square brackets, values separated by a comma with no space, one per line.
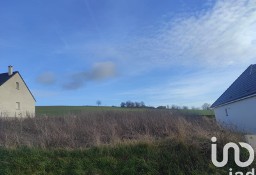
[96,127]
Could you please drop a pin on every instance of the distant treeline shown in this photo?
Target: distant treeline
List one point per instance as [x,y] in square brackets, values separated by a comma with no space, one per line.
[130,104]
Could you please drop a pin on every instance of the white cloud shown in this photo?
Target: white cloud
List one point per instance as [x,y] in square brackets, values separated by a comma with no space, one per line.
[192,89]
[221,35]
[221,39]
[224,35]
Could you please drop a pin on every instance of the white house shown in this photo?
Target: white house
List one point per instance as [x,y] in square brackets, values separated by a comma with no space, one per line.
[236,107]
[16,100]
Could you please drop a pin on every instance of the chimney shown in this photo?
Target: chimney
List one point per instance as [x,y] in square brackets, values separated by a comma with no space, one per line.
[10,70]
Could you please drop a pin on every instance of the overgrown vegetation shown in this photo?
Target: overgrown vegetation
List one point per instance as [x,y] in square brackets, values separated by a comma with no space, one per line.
[92,128]
[151,141]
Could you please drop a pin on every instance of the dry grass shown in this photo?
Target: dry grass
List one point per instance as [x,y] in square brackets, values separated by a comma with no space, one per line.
[94,128]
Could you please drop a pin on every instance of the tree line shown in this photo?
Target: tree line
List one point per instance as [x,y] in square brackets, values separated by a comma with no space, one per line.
[130,104]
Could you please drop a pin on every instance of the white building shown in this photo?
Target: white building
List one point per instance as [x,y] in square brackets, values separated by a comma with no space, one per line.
[236,107]
[16,100]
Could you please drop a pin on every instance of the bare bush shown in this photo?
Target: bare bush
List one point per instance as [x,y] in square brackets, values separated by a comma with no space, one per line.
[92,128]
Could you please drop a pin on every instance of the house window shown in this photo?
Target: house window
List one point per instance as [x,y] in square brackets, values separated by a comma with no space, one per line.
[226,111]
[17,105]
[17,85]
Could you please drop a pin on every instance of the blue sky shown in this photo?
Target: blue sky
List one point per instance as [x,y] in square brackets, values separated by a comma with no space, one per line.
[74,52]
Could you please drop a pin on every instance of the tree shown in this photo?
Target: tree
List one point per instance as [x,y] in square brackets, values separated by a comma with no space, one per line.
[98,102]
[161,107]
[185,107]
[137,104]
[123,105]
[206,106]
[130,104]
[142,104]
[175,107]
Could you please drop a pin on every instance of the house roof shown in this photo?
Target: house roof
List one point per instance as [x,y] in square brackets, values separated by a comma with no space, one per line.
[5,77]
[243,87]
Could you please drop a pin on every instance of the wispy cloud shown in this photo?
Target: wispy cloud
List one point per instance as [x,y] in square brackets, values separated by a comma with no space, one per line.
[192,89]
[46,78]
[221,35]
[221,40]
[224,35]
[100,71]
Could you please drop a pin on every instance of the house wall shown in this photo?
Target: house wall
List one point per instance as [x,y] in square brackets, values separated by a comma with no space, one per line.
[241,114]
[9,96]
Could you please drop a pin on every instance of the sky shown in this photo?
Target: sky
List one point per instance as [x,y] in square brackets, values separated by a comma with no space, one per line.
[75,52]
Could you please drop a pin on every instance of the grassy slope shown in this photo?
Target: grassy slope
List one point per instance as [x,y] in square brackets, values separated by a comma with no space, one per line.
[60,110]
[66,110]
[161,156]
[142,158]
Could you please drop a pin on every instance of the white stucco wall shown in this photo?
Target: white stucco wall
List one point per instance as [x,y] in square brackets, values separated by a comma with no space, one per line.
[9,96]
[241,114]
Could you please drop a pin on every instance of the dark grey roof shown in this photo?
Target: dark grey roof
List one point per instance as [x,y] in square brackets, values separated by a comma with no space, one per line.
[4,77]
[244,86]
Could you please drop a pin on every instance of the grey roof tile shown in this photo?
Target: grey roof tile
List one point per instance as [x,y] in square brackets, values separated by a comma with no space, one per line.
[243,86]
[4,77]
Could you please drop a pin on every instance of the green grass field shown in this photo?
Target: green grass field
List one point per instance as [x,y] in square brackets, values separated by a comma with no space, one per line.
[66,110]
[166,157]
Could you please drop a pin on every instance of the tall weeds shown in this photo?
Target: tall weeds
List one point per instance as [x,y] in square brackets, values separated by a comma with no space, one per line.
[95,128]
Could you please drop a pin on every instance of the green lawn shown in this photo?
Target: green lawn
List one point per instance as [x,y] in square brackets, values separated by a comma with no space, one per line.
[166,157]
[66,110]
[198,112]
